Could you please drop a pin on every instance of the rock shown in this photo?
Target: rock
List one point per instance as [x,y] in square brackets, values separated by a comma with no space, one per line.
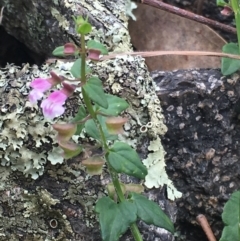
[43,197]
[202,110]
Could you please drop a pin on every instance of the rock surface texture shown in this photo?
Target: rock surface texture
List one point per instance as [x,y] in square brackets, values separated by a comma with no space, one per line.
[202,143]
[43,197]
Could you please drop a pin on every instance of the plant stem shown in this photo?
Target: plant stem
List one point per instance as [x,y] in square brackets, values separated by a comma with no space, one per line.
[135,232]
[83,78]
[236,10]
[116,184]
[114,176]
[237,18]
[83,59]
[186,14]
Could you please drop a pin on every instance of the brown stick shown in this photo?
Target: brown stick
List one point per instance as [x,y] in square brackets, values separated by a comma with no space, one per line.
[174,52]
[202,220]
[187,14]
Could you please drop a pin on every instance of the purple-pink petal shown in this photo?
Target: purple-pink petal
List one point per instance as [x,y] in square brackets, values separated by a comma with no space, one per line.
[57,97]
[41,84]
[52,110]
[35,95]
[52,106]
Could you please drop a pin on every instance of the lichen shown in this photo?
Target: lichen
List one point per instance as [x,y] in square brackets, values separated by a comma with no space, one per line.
[27,140]
[157,175]
[25,133]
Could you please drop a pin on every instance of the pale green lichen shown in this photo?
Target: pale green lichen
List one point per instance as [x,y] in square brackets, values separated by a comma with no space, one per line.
[63,23]
[157,175]
[25,133]
[129,7]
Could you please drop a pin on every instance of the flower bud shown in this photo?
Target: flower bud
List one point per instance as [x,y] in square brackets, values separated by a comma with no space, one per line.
[115,124]
[132,187]
[70,149]
[227,11]
[65,131]
[68,89]
[94,165]
[94,54]
[70,49]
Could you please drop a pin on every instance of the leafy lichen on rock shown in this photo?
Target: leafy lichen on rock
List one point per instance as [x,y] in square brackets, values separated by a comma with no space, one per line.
[23,133]
[27,138]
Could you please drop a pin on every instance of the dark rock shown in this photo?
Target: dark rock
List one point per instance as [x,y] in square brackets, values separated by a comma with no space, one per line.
[202,143]
[13,51]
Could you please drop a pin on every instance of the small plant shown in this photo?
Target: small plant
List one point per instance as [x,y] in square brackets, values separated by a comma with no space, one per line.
[231,218]
[99,117]
[229,66]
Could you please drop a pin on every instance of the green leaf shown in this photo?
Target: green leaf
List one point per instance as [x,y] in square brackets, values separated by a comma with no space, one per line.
[94,90]
[229,66]
[59,51]
[84,28]
[221,3]
[124,159]
[76,69]
[92,130]
[115,218]
[151,213]
[115,105]
[92,44]
[78,117]
[231,218]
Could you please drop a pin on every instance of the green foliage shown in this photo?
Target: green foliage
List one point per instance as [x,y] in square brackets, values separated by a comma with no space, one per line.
[59,51]
[93,114]
[80,116]
[85,28]
[124,159]
[115,218]
[94,90]
[93,130]
[115,105]
[229,66]
[151,213]
[76,69]
[92,44]
[82,25]
[221,3]
[231,218]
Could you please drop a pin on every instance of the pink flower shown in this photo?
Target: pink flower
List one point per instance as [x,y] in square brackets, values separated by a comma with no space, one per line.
[94,54]
[41,85]
[70,49]
[227,11]
[53,106]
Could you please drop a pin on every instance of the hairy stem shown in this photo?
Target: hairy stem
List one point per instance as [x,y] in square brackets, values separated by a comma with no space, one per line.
[114,176]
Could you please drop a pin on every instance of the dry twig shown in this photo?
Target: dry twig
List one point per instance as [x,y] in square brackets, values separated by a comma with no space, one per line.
[202,220]
[187,14]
